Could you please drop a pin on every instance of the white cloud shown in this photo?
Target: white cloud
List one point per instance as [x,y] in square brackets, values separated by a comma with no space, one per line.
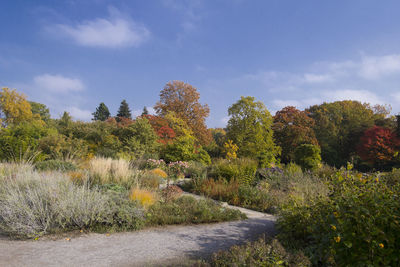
[58,83]
[376,67]
[79,114]
[359,95]
[116,31]
[317,78]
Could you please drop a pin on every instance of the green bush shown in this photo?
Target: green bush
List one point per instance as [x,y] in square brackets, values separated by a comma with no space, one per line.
[188,210]
[259,253]
[243,170]
[308,156]
[358,225]
[55,165]
[196,170]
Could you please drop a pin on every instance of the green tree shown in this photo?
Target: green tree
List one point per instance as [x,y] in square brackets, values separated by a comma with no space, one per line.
[145,111]
[124,111]
[40,110]
[339,126]
[102,113]
[292,128]
[249,127]
[308,156]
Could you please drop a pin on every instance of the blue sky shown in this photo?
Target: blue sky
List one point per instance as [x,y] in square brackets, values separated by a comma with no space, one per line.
[73,54]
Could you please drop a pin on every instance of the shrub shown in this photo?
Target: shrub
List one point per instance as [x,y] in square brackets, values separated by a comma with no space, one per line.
[243,170]
[259,253]
[188,210]
[308,156]
[55,165]
[159,173]
[196,170]
[150,180]
[153,164]
[145,197]
[33,204]
[171,192]
[357,225]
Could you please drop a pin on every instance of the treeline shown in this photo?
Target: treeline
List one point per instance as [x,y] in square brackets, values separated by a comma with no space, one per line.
[337,133]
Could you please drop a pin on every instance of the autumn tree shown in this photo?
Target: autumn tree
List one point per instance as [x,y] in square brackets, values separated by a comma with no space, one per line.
[14,108]
[102,113]
[249,127]
[379,146]
[161,126]
[292,128]
[338,127]
[183,99]
[124,111]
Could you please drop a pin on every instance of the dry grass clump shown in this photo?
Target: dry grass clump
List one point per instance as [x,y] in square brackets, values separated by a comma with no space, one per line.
[107,171]
[145,197]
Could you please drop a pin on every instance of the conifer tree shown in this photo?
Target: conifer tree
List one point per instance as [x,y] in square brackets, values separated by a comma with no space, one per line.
[124,111]
[145,111]
[102,113]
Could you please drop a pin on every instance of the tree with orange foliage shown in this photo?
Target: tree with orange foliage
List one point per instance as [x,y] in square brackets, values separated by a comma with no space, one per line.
[183,99]
[378,146]
[160,125]
[292,128]
[14,108]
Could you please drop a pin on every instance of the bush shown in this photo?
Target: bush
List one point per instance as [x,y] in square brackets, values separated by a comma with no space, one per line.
[159,173]
[196,170]
[145,197]
[55,165]
[33,204]
[308,156]
[243,170]
[188,210]
[259,253]
[357,225]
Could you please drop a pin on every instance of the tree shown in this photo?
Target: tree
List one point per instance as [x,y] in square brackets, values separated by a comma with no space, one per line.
[292,128]
[102,113]
[14,108]
[379,146]
[40,110]
[339,126]
[145,111]
[183,99]
[308,156]
[124,111]
[160,125]
[249,127]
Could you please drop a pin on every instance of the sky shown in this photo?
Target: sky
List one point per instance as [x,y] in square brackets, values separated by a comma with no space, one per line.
[73,54]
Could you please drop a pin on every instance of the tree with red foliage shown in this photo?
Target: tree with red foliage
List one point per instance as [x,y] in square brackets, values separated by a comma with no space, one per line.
[378,146]
[292,128]
[160,125]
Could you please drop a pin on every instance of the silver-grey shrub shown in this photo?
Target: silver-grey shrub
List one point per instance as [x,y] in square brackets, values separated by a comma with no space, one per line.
[33,204]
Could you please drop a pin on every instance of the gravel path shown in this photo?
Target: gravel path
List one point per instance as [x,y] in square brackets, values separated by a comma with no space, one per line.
[156,246]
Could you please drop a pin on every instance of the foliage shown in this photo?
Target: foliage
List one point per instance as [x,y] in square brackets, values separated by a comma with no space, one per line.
[40,110]
[379,146]
[124,111]
[145,197]
[33,204]
[102,113]
[183,99]
[230,150]
[259,253]
[308,156]
[196,169]
[243,170]
[154,163]
[292,128]
[55,165]
[171,192]
[249,127]
[188,210]
[138,139]
[338,127]
[161,126]
[357,225]
[14,108]
[159,172]
[19,142]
